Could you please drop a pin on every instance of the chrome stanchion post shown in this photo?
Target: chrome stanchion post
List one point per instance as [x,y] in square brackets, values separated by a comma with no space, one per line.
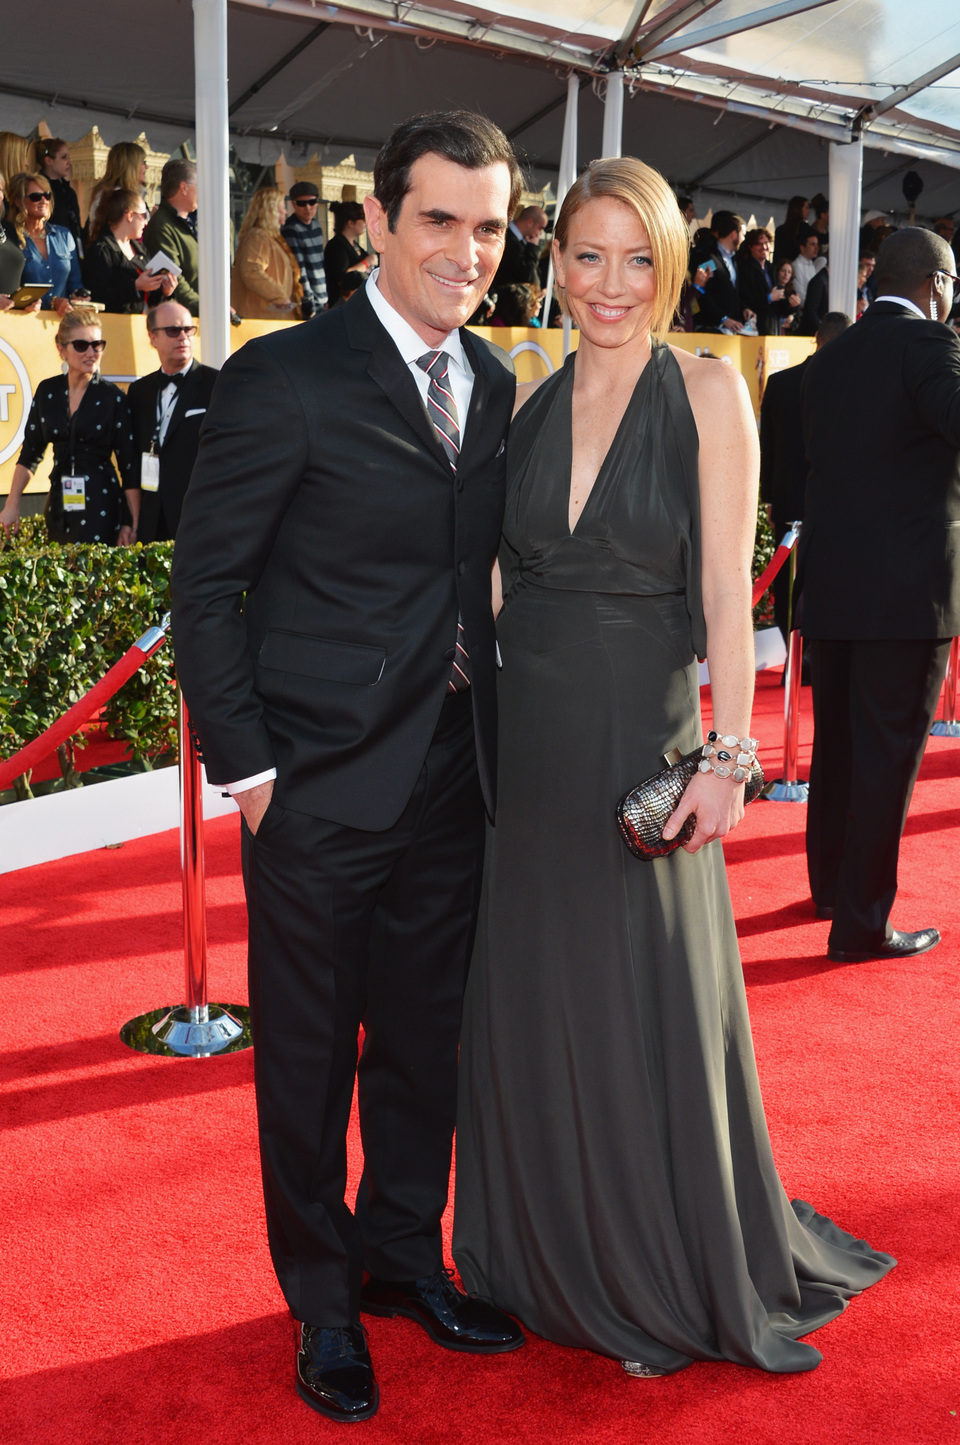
[198,1028]
[947,724]
[790,788]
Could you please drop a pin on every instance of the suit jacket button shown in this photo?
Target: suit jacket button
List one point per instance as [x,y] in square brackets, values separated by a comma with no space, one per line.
[461,568]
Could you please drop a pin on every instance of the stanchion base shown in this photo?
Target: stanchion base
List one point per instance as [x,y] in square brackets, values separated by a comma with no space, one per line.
[780,791]
[943,729]
[191,1033]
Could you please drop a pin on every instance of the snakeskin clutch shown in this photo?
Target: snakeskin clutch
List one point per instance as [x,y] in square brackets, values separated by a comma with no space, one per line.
[643,812]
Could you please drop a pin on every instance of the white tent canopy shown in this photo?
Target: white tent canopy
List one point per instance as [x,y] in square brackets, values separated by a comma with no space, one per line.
[734,100]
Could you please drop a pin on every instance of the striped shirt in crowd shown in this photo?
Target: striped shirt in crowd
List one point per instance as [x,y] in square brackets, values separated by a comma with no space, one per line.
[305,240]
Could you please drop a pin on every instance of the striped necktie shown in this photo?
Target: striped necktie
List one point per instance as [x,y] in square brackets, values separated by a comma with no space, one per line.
[442,411]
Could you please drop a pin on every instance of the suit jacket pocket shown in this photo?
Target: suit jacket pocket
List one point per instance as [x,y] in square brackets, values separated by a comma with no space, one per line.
[322,657]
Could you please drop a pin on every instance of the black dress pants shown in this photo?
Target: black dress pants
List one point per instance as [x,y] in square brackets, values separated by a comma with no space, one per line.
[873,703]
[351,928]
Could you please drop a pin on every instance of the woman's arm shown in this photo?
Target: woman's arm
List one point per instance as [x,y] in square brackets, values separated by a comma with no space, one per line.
[729,467]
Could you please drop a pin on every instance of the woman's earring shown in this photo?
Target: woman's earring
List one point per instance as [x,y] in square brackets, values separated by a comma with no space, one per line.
[64,367]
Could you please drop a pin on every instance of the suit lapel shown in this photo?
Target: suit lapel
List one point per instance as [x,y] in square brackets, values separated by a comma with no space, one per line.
[480,396]
[389,371]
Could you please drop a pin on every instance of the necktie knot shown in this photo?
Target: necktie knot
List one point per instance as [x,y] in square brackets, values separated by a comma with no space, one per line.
[435,364]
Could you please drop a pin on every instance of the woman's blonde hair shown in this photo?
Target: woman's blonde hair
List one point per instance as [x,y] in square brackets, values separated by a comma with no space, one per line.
[262,214]
[645,191]
[74,320]
[14,154]
[17,199]
[122,174]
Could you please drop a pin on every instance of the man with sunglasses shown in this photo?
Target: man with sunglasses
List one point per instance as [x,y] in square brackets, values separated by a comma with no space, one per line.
[879,576]
[303,235]
[168,409]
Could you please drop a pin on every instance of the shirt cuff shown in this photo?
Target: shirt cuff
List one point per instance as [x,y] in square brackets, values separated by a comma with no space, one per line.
[245,783]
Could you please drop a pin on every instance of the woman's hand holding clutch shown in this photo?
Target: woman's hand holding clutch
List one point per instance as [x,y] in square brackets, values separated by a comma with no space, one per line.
[718,804]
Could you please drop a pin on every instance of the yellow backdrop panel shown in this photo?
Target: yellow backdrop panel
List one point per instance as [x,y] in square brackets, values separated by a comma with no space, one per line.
[28,354]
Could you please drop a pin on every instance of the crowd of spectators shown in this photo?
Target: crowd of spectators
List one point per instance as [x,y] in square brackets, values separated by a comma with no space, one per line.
[756,281]
[752,281]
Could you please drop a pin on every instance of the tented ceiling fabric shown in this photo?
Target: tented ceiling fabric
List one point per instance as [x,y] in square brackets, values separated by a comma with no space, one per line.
[742,120]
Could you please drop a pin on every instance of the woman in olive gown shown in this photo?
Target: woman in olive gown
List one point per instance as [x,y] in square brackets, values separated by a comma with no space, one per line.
[615,1183]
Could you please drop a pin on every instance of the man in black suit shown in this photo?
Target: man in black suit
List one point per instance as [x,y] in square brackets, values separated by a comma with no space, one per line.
[519,265]
[783,461]
[168,408]
[720,305]
[879,582]
[336,646]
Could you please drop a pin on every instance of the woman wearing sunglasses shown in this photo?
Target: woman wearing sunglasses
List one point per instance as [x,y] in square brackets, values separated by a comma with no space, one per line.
[113,267]
[50,252]
[87,421]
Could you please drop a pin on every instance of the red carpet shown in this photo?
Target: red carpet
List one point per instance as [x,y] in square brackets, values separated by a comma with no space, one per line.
[137,1294]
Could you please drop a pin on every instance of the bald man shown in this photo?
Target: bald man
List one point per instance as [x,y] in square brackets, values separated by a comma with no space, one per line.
[879,580]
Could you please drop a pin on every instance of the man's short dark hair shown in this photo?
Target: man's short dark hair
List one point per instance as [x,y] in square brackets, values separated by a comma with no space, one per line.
[173,174]
[724,222]
[461,136]
[907,258]
[304,189]
[831,326]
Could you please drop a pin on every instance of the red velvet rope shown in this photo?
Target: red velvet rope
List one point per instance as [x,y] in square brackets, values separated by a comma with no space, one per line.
[773,566]
[28,757]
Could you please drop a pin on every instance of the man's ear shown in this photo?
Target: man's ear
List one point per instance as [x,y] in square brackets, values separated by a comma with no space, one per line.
[376,218]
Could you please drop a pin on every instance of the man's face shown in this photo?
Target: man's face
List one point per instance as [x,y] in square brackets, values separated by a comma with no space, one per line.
[439,261]
[186,198]
[944,228]
[734,241]
[810,247]
[174,351]
[760,249]
[533,228]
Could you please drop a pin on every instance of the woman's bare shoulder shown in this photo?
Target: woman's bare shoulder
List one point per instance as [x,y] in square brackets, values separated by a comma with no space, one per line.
[525,390]
[711,384]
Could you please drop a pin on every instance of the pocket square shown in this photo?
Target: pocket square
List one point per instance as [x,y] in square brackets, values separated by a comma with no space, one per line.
[501,449]
[196,411]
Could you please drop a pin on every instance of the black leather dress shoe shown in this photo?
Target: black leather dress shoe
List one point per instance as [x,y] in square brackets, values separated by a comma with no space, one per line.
[454,1320]
[334,1372]
[898,945]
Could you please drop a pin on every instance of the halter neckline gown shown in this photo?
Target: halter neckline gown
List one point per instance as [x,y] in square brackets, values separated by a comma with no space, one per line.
[615,1185]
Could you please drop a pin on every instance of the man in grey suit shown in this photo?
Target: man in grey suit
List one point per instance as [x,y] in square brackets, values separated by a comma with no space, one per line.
[879,579]
[335,642]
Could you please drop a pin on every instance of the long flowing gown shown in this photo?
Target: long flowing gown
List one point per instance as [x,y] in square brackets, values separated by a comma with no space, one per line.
[616,1188]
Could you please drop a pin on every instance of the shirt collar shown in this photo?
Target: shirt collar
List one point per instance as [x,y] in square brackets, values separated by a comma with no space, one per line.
[516,231]
[910,305]
[410,346]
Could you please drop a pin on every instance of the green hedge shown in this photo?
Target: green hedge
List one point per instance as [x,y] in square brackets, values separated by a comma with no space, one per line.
[67,614]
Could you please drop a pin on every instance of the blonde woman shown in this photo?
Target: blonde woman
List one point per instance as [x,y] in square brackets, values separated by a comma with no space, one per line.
[615,1183]
[50,252]
[265,281]
[126,170]
[87,422]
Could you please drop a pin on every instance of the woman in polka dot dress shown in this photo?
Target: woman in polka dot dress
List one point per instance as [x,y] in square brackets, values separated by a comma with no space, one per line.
[87,421]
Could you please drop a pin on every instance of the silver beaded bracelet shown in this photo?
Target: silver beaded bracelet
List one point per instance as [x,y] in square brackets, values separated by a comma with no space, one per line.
[724,762]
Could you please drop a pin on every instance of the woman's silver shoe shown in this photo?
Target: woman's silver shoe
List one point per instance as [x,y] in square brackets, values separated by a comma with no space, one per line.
[640,1371]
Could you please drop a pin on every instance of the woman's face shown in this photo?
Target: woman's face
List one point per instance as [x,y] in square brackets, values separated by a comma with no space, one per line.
[142,173]
[355,228]
[85,362]
[607,270]
[60,164]
[37,211]
[137,221]
[281,210]
[784,273]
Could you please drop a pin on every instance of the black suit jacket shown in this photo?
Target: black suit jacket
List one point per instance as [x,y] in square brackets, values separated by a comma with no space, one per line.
[160,510]
[754,284]
[783,461]
[881,420]
[518,264]
[322,493]
[720,296]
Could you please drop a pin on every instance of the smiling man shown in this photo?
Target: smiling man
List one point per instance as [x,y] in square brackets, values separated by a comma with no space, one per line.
[335,644]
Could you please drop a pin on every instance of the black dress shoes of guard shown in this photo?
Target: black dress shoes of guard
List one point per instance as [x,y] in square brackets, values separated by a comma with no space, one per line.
[334,1372]
[454,1320]
[898,945]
